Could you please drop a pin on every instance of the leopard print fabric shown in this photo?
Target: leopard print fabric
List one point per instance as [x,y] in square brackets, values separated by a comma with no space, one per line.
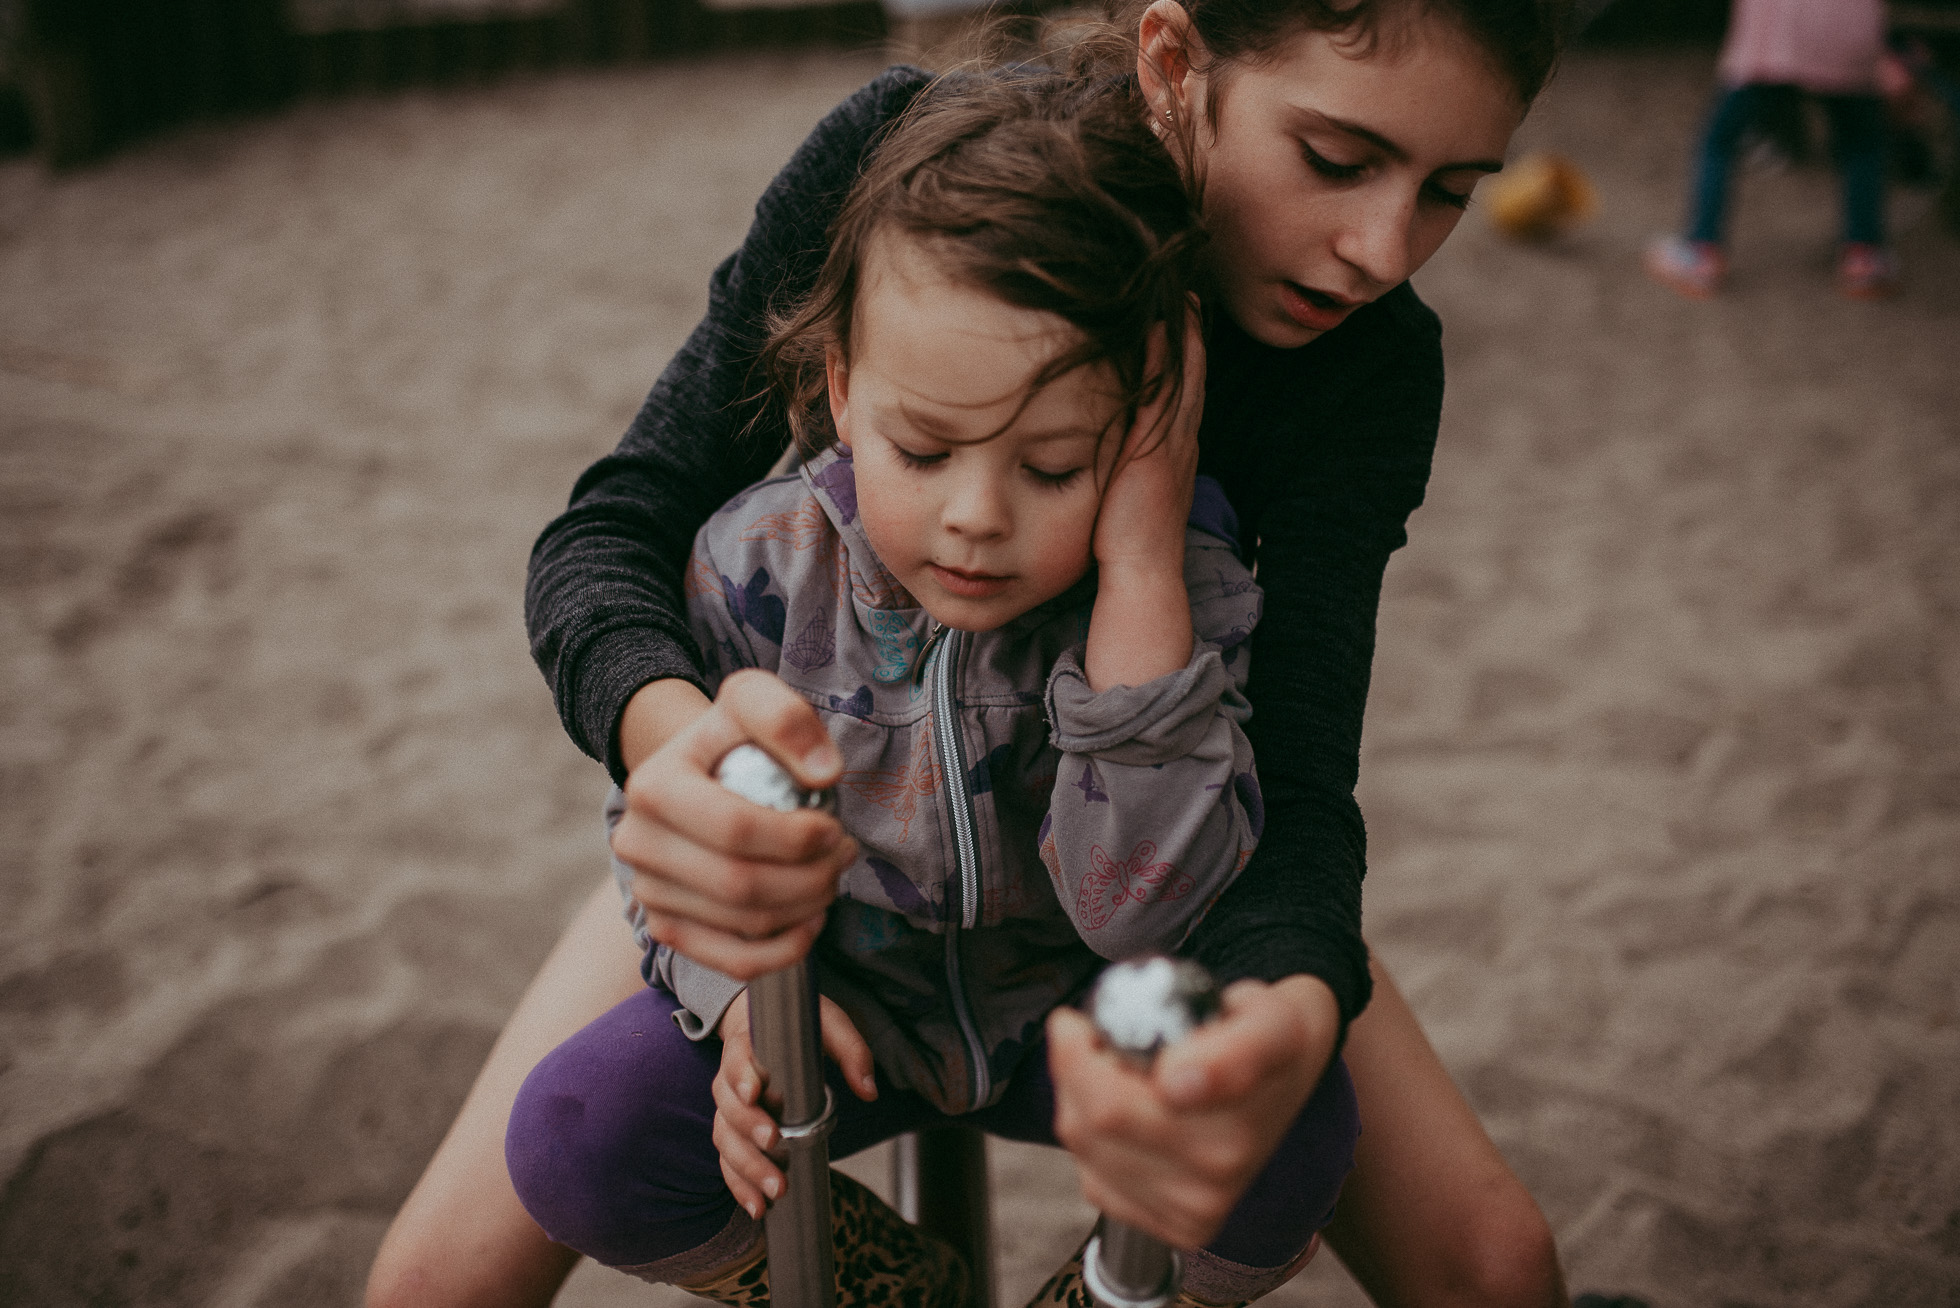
[883,1261]
[743,1285]
[1065,1290]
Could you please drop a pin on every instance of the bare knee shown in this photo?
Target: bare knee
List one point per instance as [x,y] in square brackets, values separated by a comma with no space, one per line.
[1506,1257]
[395,1281]
[486,1256]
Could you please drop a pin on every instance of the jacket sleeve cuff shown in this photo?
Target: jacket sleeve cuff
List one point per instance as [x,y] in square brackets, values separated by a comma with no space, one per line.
[705,994]
[1158,722]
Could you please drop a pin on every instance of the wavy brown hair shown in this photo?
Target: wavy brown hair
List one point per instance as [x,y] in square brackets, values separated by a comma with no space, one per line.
[1044,189]
[1521,38]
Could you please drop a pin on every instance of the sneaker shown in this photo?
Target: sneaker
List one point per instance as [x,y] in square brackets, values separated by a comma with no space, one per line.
[1695,269]
[1867,272]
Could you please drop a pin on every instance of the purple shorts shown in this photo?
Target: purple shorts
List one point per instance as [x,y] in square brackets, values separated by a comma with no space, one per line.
[609,1143]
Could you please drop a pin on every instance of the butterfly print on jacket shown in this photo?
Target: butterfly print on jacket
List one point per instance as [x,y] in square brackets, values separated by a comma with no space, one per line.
[898,791]
[895,643]
[904,896]
[753,607]
[1139,878]
[839,481]
[802,526]
[1092,793]
[815,646]
[858,705]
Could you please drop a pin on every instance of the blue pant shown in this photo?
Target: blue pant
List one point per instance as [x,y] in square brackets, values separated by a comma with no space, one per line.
[609,1146]
[1857,144]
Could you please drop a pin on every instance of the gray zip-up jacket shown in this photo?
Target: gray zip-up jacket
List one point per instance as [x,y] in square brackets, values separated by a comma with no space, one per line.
[1017,828]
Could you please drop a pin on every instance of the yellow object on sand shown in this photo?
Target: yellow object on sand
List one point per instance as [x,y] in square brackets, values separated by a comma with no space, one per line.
[1538,197]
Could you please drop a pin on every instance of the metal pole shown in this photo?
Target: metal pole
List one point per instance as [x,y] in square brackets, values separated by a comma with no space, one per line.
[789,1052]
[1140,1008]
[939,1184]
[783,1028]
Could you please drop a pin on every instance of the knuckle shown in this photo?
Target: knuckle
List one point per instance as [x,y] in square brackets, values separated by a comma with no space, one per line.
[744,824]
[741,884]
[780,721]
[754,923]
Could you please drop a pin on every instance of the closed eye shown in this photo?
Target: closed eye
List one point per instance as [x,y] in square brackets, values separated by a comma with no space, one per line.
[1325,167]
[1055,479]
[1442,194]
[911,460]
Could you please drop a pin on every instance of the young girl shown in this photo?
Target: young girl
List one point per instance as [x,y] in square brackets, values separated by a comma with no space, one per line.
[1338,143]
[1775,51]
[1032,667]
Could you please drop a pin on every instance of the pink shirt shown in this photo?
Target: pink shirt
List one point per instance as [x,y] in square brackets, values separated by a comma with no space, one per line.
[1821,45]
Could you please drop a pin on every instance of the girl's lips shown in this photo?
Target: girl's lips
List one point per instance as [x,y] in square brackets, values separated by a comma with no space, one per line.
[1315,310]
[968,585]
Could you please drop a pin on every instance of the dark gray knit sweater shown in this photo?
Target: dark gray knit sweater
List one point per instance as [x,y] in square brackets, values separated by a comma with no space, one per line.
[1324,451]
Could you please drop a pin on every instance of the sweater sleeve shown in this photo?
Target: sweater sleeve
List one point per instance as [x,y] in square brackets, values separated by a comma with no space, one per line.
[603,600]
[1347,477]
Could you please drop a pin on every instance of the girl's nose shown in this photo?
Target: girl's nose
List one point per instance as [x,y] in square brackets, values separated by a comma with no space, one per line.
[975,507]
[1378,236]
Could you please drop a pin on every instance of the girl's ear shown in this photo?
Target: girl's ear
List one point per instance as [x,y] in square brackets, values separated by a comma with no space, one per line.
[1164,46]
[837,373]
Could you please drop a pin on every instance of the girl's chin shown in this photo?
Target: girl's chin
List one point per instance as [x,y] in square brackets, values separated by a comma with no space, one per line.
[1262,317]
[1281,332]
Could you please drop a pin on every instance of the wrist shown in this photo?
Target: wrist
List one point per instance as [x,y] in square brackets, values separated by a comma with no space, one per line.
[1317,1013]
[1139,629]
[1143,571]
[656,714]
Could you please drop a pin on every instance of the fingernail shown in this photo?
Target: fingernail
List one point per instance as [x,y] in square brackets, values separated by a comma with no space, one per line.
[824,759]
[869,1083]
[770,1186]
[747,1088]
[755,1212]
[761,1137]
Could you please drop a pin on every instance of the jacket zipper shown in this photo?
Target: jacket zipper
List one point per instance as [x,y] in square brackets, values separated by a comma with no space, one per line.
[952,767]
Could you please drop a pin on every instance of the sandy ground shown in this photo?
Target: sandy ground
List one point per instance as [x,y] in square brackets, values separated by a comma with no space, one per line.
[1663,763]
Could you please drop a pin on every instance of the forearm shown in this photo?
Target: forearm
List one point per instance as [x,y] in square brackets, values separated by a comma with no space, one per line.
[1140,627]
[604,600]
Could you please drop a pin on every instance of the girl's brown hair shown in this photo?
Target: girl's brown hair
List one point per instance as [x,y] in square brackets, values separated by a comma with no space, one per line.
[1520,37]
[1046,190]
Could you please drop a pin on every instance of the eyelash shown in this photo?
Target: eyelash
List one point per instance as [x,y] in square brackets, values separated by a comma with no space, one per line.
[912,460]
[1335,172]
[1052,480]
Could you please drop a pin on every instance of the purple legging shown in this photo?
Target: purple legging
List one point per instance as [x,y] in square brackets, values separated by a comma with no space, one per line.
[610,1151]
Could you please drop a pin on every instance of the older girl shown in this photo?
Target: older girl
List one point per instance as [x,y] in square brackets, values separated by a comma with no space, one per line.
[1338,145]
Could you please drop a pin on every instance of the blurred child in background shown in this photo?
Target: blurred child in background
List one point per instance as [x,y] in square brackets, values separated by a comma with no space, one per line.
[1777,49]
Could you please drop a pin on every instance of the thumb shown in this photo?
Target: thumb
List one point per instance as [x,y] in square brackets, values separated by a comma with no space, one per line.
[1224,1059]
[843,1043]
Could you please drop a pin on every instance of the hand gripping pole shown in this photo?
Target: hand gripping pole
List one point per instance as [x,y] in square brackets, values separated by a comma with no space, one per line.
[1139,1008]
[788,1049]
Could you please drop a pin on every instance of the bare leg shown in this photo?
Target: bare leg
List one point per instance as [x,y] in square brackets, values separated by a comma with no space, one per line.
[462,1238]
[1432,1215]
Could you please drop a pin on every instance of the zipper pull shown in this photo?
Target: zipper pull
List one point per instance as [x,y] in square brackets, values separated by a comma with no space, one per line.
[925,651]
